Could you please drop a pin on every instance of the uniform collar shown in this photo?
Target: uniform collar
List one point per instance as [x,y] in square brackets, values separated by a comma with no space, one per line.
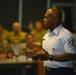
[56,30]
[49,31]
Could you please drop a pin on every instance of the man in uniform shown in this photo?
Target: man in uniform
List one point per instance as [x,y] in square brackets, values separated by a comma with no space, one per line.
[30,44]
[3,33]
[38,32]
[16,38]
[5,50]
[58,46]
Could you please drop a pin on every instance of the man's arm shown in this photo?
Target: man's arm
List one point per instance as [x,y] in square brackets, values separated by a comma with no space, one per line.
[61,58]
[64,57]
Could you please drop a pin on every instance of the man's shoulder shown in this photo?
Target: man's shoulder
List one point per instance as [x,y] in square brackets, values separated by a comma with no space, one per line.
[23,33]
[66,34]
[4,30]
[34,32]
[11,33]
[65,31]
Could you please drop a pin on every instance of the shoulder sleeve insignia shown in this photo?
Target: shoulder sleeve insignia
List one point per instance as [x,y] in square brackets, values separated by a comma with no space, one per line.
[71,42]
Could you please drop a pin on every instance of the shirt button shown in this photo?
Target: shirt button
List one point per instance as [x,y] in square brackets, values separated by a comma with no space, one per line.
[53,49]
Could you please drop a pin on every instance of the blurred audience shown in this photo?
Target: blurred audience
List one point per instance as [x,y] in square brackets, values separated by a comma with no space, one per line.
[5,50]
[30,39]
[30,43]
[3,33]
[30,27]
[16,38]
[39,31]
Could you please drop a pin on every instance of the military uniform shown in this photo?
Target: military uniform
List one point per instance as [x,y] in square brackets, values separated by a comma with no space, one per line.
[16,38]
[4,34]
[57,42]
[18,49]
[23,48]
[5,47]
[30,67]
[38,34]
[34,45]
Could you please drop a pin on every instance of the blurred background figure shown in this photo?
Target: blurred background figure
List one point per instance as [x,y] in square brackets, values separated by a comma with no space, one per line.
[5,50]
[16,38]
[3,33]
[30,43]
[39,31]
[29,27]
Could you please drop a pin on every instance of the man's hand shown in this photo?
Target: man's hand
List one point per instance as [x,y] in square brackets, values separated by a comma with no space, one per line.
[29,53]
[43,55]
[9,55]
[3,56]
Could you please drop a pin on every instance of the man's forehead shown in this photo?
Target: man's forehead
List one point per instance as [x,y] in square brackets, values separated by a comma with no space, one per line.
[49,12]
[16,25]
[49,9]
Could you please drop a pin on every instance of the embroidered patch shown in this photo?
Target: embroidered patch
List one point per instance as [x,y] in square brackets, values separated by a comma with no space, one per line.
[71,42]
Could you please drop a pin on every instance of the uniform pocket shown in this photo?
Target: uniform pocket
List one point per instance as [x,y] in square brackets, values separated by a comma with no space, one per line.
[58,42]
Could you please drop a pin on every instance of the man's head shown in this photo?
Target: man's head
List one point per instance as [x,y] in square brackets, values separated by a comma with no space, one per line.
[53,17]
[30,38]
[16,27]
[38,25]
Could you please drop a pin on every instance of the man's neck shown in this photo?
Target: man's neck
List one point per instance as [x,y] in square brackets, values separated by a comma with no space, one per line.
[17,32]
[53,27]
[39,30]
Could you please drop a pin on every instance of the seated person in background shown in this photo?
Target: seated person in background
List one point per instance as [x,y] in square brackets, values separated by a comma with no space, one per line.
[38,32]
[16,38]
[30,44]
[29,27]
[3,33]
[5,50]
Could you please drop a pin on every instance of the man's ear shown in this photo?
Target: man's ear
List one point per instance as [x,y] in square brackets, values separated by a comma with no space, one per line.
[55,20]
